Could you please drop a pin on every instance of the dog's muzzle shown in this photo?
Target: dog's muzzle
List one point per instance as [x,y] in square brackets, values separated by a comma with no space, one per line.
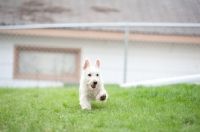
[94,84]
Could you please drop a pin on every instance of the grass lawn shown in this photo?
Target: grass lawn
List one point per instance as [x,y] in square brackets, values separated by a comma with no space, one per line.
[168,108]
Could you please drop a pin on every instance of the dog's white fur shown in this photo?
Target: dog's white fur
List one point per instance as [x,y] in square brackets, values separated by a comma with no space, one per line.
[88,90]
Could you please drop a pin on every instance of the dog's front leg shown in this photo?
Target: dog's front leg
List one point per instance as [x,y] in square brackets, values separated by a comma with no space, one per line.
[84,102]
[102,96]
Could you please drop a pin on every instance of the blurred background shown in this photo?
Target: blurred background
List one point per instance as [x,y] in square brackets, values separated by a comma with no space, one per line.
[32,56]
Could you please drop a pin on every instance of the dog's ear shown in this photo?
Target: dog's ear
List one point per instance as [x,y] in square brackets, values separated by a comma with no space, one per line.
[86,64]
[97,63]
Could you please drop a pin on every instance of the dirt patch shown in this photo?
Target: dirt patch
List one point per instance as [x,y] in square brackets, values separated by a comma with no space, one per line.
[37,11]
[103,9]
[33,3]
[30,7]
[56,9]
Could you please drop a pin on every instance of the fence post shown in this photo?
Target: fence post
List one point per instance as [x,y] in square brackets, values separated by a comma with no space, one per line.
[126,44]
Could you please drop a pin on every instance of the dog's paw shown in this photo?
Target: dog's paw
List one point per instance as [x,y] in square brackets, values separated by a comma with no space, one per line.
[86,108]
[103,97]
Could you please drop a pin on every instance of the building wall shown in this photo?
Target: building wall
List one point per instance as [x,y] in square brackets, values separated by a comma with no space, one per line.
[162,60]
[145,60]
[109,52]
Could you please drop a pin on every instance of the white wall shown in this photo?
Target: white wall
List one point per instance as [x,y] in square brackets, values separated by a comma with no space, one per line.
[156,60]
[145,60]
[109,52]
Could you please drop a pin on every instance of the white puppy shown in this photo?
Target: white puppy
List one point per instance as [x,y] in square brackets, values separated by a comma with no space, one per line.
[91,86]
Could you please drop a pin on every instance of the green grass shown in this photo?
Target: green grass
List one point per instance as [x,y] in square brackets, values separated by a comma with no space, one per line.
[169,108]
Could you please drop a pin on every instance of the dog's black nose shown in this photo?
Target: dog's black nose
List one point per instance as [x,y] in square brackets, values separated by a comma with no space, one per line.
[95,82]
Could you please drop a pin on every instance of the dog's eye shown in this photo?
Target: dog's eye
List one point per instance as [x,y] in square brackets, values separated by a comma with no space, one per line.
[97,74]
[89,75]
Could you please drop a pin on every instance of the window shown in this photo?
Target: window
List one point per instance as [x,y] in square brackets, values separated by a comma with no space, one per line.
[44,63]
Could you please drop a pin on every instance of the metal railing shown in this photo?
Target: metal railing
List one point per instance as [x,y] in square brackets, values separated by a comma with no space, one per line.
[120,24]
